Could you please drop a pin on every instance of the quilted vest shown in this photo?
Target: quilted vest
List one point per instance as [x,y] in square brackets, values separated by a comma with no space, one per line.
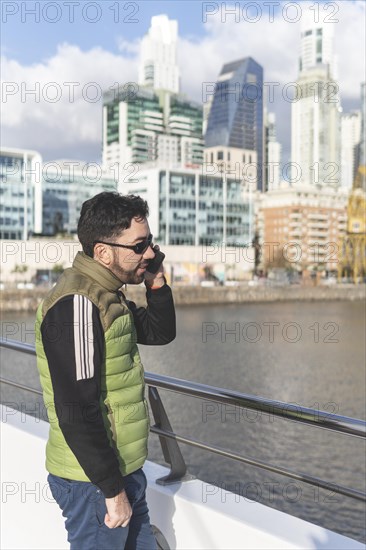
[122,402]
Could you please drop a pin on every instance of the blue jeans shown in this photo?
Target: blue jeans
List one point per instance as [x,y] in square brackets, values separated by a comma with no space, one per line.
[83,506]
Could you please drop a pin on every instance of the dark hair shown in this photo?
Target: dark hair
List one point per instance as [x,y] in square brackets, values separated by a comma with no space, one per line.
[106,215]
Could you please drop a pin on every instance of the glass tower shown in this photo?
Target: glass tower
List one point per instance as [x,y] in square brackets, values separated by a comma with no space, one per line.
[236,114]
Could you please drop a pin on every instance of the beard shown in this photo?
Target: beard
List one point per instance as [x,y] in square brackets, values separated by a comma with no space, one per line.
[128,276]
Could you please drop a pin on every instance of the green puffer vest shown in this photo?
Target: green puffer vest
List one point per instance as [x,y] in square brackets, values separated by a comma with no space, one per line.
[124,409]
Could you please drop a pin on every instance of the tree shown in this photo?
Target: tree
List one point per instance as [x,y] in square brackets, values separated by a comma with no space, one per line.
[279,260]
[257,253]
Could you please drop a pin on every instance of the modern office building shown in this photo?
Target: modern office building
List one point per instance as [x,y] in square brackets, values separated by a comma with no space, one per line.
[131,123]
[150,126]
[272,171]
[158,59]
[20,193]
[66,184]
[350,146]
[315,124]
[236,113]
[188,206]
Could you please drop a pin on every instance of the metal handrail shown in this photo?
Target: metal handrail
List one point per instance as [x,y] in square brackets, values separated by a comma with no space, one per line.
[338,423]
[19,386]
[305,478]
[290,411]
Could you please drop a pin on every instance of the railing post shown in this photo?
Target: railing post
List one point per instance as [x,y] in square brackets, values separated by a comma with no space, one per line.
[170,447]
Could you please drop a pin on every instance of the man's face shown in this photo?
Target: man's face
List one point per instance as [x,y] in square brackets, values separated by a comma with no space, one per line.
[128,266]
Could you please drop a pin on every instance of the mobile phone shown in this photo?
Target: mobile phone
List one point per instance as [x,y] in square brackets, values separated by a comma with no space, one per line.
[156,262]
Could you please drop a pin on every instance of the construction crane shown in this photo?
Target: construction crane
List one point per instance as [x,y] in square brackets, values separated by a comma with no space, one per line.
[352,249]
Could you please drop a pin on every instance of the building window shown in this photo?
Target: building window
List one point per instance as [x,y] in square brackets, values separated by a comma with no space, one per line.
[220,155]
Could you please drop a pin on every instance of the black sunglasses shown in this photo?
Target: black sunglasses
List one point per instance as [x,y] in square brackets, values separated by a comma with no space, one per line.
[138,248]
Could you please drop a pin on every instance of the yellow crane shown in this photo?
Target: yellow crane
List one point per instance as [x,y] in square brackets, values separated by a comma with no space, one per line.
[352,250]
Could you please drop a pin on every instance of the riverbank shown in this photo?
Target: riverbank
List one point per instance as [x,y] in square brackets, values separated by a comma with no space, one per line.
[28,299]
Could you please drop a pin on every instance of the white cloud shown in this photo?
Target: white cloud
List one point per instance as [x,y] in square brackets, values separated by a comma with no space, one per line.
[128,47]
[75,124]
[76,79]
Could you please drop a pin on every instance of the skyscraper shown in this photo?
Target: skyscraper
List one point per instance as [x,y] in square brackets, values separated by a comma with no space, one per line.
[360,157]
[315,120]
[150,126]
[158,60]
[316,47]
[350,147]
[362,151]
[273,153]
[236,114]
[153,123]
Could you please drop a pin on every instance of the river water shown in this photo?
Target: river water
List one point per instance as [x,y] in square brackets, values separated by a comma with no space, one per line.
[311,354]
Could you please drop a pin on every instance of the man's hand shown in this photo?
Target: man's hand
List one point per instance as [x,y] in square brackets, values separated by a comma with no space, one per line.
[119,511]
[157,279]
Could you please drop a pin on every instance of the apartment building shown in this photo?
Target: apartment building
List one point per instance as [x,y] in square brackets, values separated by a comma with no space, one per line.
[302,228]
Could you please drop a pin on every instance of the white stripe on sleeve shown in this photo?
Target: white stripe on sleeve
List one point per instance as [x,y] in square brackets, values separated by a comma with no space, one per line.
[83,337]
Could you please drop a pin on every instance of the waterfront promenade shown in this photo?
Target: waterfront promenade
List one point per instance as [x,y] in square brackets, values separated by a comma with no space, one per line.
[28,299]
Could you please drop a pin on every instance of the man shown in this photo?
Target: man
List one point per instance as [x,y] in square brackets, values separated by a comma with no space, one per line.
[92,376]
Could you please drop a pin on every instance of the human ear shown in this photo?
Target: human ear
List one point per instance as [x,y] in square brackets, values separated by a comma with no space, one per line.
[103,254]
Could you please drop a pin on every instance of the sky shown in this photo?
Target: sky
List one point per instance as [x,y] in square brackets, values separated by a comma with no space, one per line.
[67,52]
